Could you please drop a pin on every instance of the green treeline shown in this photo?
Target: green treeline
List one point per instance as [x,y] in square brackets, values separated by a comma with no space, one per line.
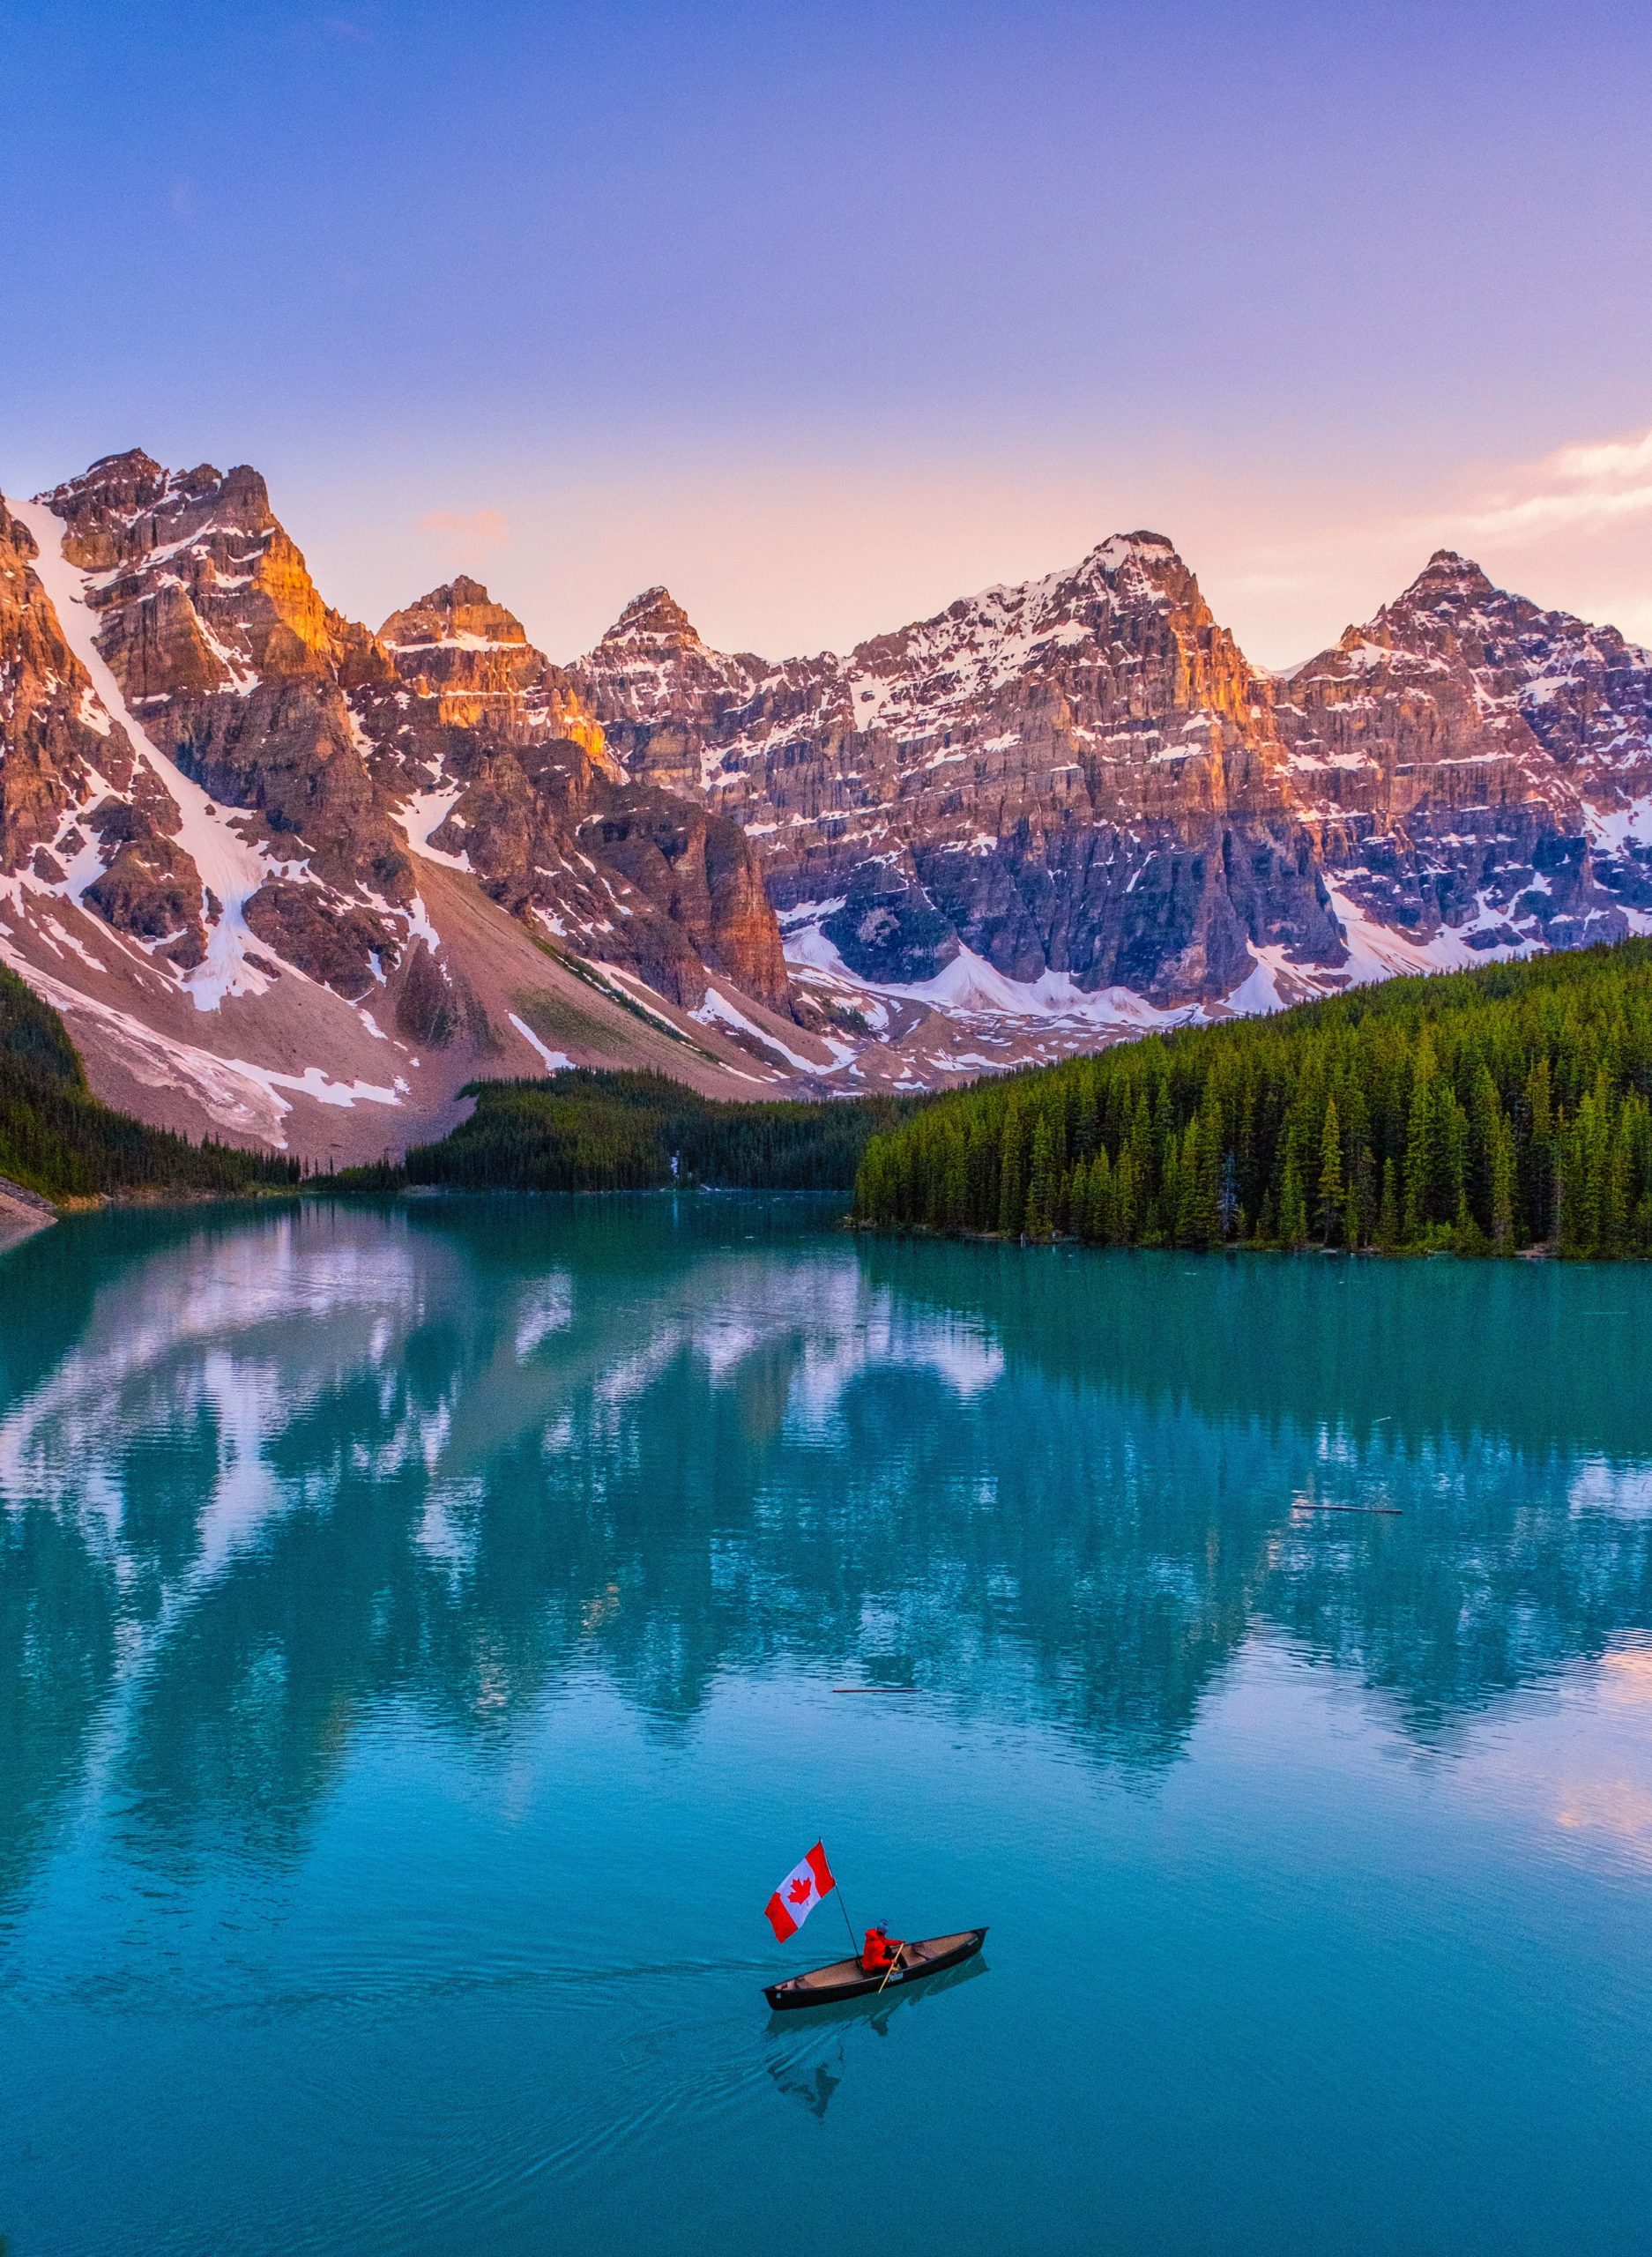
[56,1139]
[1478,1112]
[593,1131]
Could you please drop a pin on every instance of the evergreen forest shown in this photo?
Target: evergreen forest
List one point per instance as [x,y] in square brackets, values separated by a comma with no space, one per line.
[1485,1112]
[1482,1112]
[58,1140]
[588,1131]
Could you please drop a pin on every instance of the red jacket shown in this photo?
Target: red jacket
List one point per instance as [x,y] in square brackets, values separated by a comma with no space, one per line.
[880,1951]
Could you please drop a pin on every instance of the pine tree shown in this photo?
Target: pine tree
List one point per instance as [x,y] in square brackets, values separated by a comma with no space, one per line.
[1041,1184]
[1012,1201]
[1453,1152]
[981,1178]
[1078,1200]
[1126,1206]
[1388,1208]
[1293,1212]
[1330,1171]
[1104,1229]
[1540,1132]
[1087,1129]
[1503,1184]
[1421,1146]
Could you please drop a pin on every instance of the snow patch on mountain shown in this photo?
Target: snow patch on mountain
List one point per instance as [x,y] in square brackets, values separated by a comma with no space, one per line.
[239,1098]
[426,812]
[1378,951]
[554,1061]
[1617,829]
[718,1009]
[229,866]
[970,989]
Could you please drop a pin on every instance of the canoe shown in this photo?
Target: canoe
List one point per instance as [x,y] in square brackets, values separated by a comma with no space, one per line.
[845,1978]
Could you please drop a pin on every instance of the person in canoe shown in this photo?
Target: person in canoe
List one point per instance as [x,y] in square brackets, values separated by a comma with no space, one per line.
[882,1949]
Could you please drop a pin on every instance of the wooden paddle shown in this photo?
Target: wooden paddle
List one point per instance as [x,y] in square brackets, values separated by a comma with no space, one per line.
[890,1969]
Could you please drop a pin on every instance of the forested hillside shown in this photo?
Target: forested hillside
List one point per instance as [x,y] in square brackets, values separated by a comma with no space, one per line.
[55,1138]
[593,1131]
[1483,1111]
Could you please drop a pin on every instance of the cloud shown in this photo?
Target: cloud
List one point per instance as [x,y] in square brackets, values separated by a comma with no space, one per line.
[479,528]
[1591,485]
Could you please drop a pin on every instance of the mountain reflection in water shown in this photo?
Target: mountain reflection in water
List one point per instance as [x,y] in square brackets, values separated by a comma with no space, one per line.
[262,1471]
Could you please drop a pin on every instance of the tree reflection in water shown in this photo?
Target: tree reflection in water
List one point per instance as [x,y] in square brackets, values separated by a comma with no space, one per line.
[262,1471]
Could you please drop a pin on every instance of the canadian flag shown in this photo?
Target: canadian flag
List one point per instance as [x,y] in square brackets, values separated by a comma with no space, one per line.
[799,1892]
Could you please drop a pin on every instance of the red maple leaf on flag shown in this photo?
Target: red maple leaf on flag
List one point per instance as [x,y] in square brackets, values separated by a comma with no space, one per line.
[800,1890]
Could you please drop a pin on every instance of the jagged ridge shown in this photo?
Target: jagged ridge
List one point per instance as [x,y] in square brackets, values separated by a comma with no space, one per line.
[1048,814]
[1081,777]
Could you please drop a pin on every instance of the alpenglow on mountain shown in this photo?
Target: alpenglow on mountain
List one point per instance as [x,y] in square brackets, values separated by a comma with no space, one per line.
[297,881]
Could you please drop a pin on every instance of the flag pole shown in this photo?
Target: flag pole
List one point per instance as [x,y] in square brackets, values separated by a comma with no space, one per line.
[838,1892]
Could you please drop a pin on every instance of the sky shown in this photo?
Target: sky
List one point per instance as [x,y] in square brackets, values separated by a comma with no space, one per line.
[823,315]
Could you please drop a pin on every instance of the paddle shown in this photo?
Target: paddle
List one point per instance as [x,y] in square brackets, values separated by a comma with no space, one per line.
[893,1964]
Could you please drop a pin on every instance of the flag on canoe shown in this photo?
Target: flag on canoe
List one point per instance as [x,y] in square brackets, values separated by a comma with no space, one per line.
[799,1892]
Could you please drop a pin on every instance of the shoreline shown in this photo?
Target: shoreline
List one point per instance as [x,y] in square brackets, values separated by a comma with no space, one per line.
[1066,1243]
[22,1212]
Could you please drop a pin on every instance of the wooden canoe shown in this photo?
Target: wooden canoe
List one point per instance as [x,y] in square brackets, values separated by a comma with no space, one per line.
[845,1978]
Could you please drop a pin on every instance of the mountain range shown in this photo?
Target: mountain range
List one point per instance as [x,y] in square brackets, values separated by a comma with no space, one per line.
[297,883]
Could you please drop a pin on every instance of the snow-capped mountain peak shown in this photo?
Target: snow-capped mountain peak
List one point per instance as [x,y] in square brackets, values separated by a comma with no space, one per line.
[988,831]
[655,616]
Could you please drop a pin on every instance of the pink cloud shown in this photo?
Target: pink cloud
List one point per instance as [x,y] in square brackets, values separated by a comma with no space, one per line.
[481,528]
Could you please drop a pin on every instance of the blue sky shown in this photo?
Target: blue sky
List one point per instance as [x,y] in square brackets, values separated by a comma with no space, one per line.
[826,314]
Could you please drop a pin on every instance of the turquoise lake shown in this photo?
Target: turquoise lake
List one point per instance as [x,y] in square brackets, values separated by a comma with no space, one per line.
[419,1630]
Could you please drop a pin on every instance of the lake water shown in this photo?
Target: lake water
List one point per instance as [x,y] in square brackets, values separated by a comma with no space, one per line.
[419,1630]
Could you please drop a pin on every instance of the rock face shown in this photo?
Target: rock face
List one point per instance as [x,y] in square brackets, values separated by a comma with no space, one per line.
[57,745]
[199,586]
[663,694]
[546,816]
[219,640]
[1478,766]
[473,657]
[148,887]
[315,732]
[700,871]
[216,798]
[1082,776]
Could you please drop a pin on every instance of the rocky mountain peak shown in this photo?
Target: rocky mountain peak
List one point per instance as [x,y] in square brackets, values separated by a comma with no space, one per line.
[469,662]
[127,506]
[1450,609]
[198,584]
[1450,563]
[460,612]
[1128,586]
[1126,567]
[116,488]
[653,616]
[652,667]
[1448,583]
[1479,766]
[1149,552]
